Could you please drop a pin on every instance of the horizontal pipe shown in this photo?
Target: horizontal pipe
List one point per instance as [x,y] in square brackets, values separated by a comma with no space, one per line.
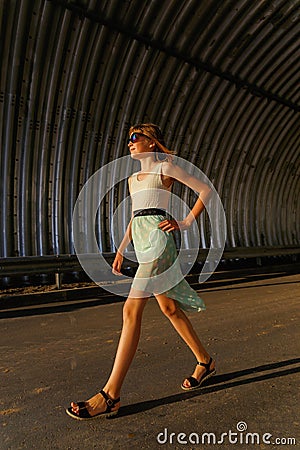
[29,265]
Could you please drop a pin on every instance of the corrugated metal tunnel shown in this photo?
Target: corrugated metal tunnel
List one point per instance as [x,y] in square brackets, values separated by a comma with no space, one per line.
[220,78]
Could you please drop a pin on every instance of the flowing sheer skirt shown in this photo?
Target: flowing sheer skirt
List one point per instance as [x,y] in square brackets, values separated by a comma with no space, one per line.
[159,270]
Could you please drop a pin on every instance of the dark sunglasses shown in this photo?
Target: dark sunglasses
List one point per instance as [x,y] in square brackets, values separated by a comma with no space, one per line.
[135,137]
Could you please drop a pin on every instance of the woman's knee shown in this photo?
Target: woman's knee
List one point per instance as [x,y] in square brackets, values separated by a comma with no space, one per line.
[133,309]
[168,307]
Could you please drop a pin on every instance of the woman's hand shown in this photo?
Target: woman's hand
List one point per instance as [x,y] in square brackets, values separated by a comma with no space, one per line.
[171,225]
[117,264]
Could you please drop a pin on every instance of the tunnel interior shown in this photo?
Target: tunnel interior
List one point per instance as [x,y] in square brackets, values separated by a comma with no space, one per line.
[220,78]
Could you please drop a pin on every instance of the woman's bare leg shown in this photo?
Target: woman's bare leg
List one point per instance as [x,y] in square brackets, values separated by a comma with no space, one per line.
[185,329]
[132,318]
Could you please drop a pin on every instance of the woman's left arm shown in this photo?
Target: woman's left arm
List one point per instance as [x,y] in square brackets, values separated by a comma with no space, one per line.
[177,173]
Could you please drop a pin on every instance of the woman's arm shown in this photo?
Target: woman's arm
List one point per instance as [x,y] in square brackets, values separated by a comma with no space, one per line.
[177,173]
[117,264]
[126,239]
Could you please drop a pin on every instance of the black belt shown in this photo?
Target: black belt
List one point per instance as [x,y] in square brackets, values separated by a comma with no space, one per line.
[149,212]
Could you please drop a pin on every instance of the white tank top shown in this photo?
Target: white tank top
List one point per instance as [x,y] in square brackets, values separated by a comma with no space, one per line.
[149,192]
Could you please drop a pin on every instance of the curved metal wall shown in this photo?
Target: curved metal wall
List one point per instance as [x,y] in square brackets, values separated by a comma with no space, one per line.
[221,78]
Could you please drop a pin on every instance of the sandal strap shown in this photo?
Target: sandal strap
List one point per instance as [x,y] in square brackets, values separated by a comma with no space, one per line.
[206,365]
[109,401]
[83,412]
[193,381]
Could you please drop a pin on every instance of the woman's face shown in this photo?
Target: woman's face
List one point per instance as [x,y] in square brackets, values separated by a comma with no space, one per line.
[138,144]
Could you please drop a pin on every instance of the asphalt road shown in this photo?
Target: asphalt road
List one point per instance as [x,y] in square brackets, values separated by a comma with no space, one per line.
[50,356]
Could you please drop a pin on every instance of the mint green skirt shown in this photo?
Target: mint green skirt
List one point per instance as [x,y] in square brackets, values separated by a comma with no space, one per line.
[159,270]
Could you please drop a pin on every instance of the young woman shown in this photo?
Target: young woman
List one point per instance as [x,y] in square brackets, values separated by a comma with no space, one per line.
[149,229]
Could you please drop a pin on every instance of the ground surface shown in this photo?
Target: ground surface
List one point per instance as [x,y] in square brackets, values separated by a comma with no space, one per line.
[52,354]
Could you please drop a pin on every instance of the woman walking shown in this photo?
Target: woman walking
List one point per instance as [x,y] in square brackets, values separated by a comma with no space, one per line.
[150,231]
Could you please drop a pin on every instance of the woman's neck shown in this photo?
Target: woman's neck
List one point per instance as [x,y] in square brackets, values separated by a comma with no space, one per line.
[147,163]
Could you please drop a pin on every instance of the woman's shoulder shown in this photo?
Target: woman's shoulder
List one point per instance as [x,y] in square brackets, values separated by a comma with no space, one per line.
[132,176]
[130,179]
[166,173]
[168,167]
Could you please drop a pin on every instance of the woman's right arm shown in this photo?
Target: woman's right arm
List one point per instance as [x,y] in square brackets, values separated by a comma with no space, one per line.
[117,264]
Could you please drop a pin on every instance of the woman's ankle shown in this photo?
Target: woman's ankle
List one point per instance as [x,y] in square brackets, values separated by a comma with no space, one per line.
[111,392]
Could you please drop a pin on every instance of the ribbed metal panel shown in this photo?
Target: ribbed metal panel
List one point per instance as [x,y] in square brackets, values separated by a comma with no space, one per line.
[221,78]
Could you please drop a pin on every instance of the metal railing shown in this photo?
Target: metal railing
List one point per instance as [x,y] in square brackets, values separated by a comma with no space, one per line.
[60,264]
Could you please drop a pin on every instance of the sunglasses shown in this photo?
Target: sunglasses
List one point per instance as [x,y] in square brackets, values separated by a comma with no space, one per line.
[135,137]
